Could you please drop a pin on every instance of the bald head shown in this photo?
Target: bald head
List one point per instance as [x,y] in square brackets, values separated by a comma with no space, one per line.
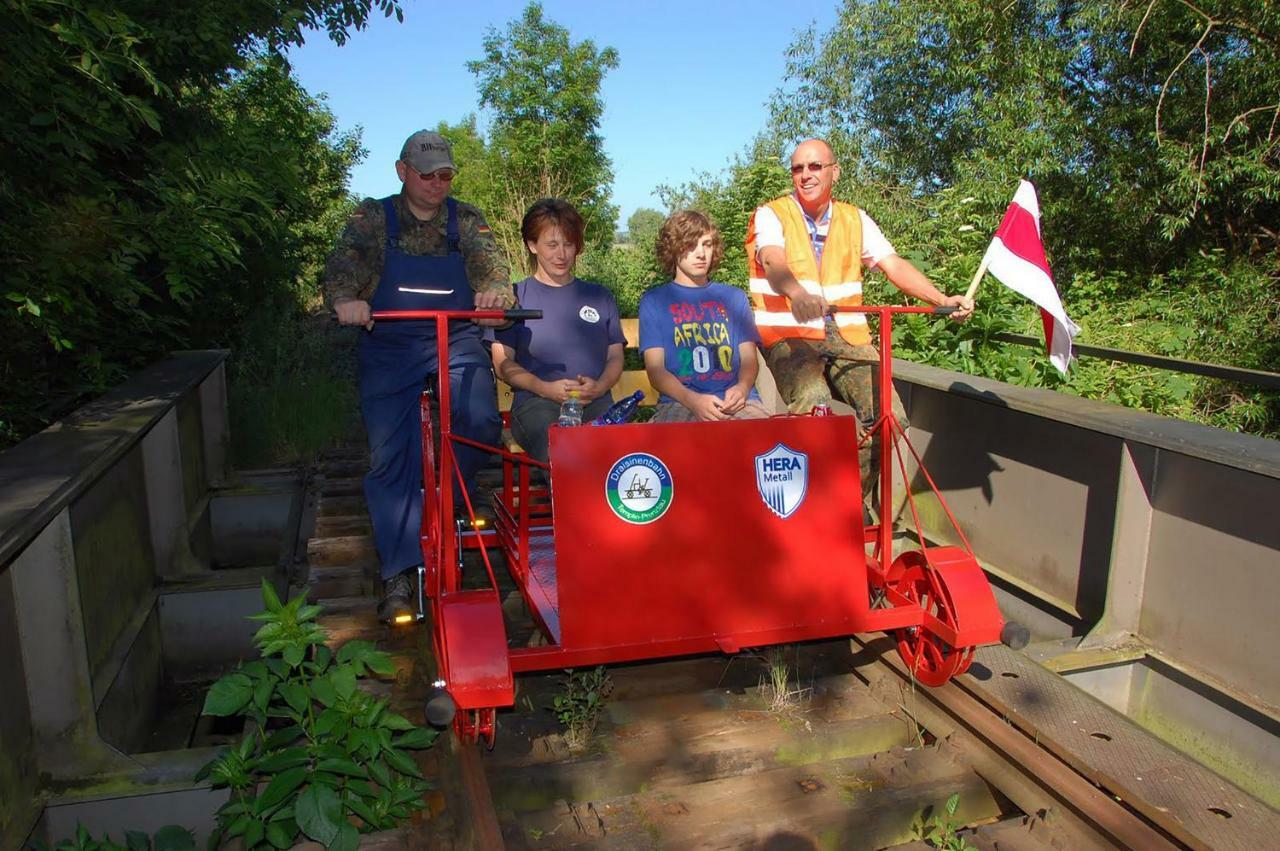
[814,173]
[811,148]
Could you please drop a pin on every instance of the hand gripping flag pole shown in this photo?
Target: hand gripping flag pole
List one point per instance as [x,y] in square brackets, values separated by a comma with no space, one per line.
[1016,258]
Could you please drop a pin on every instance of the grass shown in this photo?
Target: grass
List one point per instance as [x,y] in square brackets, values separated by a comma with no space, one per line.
[781,690]
[291,390]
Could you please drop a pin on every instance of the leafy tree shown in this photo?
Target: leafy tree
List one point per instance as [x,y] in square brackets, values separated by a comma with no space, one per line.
[628,268]
[166,176]
[1151,132]
[754,177]
[543,93]
[643,226]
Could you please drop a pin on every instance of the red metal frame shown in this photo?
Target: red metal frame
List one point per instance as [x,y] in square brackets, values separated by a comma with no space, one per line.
[603,589]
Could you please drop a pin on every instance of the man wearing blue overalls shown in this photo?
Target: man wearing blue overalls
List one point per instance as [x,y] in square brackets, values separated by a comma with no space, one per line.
[418,250]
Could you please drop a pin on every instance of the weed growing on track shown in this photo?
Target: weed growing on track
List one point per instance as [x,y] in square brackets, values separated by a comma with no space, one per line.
[579,702]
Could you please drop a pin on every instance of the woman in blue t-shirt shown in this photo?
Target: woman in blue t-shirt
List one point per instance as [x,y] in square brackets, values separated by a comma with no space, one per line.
[577,344]
[698,337]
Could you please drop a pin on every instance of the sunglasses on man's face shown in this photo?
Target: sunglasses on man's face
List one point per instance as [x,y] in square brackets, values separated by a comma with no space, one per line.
[812,168]
[444,175]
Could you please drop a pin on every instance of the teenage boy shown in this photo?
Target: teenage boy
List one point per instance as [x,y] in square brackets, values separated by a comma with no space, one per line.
[698,337]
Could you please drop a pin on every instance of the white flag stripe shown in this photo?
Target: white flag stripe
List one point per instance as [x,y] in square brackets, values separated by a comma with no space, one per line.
[833,292]
[1021,266]
[1029,280]
[1026,198]
[1024,277]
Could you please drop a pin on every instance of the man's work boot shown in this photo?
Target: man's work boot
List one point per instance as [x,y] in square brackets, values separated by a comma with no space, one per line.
[398,598]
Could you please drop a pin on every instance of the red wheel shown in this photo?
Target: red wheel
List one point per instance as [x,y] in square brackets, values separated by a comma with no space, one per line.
[487,725]
[464,724]
[930,659]
[472,725]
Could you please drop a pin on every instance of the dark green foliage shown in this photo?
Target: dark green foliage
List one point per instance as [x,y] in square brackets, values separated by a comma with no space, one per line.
[169,838]
[628,268]
[1159,195]
[165,177]
[578,705]
[320,749]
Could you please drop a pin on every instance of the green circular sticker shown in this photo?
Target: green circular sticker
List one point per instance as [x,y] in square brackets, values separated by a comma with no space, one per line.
[638,488]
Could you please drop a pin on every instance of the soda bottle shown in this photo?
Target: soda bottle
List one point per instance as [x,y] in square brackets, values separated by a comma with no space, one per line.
[571,410]
[822,409]
[621,412]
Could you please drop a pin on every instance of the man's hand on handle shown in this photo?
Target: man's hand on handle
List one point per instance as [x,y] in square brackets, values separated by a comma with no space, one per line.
[492,300]
[963,306]
[353,311]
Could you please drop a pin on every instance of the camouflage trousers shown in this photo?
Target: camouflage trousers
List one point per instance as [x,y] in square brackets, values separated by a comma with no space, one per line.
[808,371]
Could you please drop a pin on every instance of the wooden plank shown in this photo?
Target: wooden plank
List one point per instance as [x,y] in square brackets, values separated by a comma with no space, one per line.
[344,550]
[838,804]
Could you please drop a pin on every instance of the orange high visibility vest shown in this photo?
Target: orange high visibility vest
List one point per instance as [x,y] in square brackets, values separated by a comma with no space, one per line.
[839,279]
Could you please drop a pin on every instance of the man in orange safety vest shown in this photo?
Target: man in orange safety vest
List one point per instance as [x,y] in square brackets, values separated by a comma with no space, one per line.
[806,252]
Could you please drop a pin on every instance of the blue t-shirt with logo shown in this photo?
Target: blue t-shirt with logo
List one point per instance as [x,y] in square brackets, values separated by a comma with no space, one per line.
[699,329]
[579,322]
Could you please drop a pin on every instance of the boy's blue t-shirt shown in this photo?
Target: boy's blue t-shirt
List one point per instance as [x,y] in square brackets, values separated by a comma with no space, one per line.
[699,329]
[579,322]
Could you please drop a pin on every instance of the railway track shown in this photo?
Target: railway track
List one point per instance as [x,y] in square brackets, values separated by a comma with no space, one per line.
[709,753]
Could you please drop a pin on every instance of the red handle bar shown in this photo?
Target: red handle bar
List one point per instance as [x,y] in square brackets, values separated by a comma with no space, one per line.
[946,310]
[509,315]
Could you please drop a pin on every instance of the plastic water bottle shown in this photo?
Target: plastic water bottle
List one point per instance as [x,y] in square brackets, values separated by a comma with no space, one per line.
[571,410]
[621,412]
[822,409]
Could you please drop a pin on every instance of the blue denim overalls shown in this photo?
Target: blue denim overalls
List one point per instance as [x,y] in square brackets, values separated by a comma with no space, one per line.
[396,358]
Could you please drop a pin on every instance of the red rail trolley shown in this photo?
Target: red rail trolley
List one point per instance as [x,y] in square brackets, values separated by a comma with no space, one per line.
[657,540]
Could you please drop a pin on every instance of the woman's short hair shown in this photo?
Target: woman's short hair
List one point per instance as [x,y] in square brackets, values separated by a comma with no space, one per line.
[681,233]
[552,213]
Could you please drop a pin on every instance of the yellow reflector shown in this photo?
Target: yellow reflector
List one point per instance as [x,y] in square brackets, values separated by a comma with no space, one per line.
[403,618]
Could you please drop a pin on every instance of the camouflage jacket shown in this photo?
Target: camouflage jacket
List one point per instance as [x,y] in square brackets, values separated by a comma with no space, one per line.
[355,266]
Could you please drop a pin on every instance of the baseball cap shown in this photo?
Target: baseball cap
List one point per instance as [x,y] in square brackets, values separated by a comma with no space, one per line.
[427,151]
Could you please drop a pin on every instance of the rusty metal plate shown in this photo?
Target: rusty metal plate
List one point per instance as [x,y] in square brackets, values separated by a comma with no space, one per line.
[1191,802]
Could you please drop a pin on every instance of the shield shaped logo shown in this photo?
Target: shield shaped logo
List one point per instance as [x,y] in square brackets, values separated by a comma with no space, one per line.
[782,476]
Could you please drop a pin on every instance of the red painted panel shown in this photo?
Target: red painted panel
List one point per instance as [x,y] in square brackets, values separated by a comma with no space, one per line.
[477,668]
[720,564]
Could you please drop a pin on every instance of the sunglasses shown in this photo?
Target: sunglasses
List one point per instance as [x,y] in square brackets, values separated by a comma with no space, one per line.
[444,175]
[812,168]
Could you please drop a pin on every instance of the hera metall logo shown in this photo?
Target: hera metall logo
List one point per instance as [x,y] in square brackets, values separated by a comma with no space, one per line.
[639,488]
[782,476]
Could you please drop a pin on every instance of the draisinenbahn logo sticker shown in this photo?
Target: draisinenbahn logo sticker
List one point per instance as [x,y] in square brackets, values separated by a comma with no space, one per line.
[639,488]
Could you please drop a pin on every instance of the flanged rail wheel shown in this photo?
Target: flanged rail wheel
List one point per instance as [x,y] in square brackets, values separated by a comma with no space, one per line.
[930,659]
[476,725]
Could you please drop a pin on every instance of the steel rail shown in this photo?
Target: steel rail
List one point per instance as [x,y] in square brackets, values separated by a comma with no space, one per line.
[1019,760]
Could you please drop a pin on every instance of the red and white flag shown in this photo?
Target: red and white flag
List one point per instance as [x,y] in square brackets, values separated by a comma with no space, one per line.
[1016,257]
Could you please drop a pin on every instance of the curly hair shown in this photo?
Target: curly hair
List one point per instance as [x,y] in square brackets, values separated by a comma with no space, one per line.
[551,213]
[681,233]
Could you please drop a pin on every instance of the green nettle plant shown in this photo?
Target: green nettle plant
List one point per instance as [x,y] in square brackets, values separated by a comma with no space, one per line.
[579,702]
[939,830]
[320,757]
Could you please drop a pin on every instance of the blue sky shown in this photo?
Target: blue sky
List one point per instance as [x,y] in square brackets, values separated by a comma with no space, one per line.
[690,90]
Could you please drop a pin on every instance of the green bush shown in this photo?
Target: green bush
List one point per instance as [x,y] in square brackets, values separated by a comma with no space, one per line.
[319,751]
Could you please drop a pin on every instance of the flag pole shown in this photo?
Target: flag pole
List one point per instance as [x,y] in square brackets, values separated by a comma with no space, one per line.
[977,278]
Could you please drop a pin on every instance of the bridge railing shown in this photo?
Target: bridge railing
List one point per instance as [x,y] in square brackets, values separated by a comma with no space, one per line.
[1102,520]
[94,512]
